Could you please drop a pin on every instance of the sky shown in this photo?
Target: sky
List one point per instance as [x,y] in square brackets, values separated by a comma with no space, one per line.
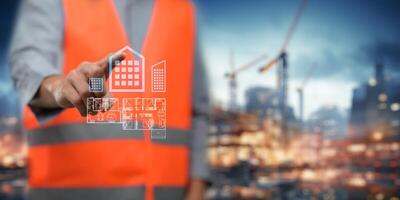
[8,99]
[341,38]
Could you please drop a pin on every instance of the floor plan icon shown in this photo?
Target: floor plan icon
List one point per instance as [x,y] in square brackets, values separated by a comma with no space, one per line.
[144,113]
[107,110]
[128,75]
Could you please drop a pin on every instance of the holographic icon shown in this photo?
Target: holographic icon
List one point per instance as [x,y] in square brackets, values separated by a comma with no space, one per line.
[96,84]
[107,110]
[128,75]
[132,113]
[143,113]
[158,75]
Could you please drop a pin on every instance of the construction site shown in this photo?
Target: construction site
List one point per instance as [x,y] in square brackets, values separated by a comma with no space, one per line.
[325,127]
[263,150]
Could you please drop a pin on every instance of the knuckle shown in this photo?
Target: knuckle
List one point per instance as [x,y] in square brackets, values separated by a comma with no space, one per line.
[83,67]
[91,70]
[72,75]
[84,64]
[64,90]
[95,71]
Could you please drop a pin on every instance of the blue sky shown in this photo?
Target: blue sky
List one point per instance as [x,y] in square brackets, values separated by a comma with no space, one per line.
[339,37]
[8,99]
[342,38]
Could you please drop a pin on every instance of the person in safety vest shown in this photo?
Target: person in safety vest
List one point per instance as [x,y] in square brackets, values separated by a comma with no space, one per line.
[58,45]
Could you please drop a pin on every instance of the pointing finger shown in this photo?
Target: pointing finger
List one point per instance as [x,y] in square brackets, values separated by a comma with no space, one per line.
[104,63]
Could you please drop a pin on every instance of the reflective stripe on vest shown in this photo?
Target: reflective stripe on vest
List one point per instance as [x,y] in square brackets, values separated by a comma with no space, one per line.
[87,193]
[69,159]
[122,193]
[66,133]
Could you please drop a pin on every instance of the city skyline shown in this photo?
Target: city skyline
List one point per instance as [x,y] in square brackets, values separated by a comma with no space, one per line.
[343,39]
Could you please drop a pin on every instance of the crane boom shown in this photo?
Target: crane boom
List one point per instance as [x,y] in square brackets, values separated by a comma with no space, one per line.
[246,66]
[288,37]
[294,24]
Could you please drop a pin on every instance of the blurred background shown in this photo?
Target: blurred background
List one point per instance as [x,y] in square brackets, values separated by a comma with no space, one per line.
[305,100]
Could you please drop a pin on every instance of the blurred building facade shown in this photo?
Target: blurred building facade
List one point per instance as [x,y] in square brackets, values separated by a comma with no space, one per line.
[264,102]
[375,111]
[327,121]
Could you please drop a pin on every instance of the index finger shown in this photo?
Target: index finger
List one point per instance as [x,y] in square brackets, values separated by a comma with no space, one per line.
[104,63]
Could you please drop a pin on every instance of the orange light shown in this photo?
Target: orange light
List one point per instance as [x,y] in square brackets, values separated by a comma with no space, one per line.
[357,182]
[377,136]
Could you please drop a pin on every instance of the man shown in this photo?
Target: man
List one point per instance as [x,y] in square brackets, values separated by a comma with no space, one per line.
[57,46]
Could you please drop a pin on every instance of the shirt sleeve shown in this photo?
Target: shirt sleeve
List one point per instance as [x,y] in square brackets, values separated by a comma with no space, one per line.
[201,107]
[36,48]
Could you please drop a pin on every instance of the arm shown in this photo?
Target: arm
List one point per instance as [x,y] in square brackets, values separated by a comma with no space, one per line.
[58,91]
[35,58]
[36,45]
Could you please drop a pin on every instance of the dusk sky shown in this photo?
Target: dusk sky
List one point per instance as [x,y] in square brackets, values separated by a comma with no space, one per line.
[8,99]
[342,38]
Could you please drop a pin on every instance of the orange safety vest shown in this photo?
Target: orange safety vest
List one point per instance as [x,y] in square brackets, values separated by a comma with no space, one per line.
[70,159]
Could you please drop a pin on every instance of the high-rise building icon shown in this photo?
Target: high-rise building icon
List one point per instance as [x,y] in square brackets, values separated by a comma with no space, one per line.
[128,75]
[158,75]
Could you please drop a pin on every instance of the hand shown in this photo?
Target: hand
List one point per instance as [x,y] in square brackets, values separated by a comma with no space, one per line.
[73,90]
[196,190]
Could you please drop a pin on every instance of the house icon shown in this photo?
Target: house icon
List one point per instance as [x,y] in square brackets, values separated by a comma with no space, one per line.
[128,75]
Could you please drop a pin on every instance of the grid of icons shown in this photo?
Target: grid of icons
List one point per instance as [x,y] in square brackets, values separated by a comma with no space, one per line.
[96,84]
[127,76]
[158,75]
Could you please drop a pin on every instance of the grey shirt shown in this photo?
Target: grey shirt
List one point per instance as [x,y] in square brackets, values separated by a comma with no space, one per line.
[37,52]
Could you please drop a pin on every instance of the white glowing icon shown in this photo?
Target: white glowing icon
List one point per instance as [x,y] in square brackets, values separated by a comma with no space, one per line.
[136,113]
[158,75]
[128,75]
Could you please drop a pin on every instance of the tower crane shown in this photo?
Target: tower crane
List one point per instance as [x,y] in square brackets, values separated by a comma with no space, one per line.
[300,91]
[281,59]
[232,77]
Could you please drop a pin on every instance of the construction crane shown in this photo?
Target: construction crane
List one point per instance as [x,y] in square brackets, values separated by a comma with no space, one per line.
[281,59]
[300,91]
[232,76]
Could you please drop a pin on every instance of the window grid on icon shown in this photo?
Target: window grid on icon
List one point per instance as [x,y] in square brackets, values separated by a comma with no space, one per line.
[96,84]
[129,72]
[158,76]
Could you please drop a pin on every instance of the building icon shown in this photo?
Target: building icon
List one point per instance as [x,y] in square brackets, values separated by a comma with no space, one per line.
[158,75]
[96,84]
[128,75]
